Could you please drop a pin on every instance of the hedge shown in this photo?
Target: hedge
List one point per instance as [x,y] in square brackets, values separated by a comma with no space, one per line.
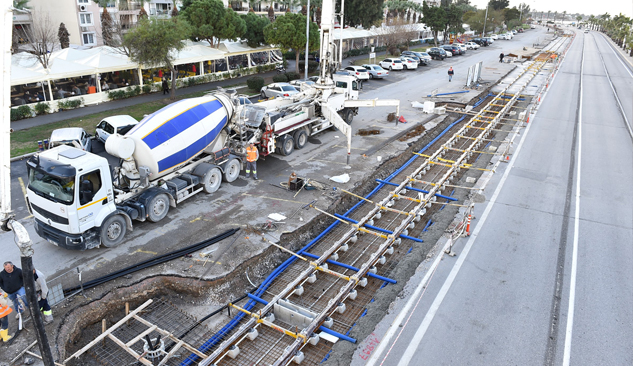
[21,112]
[255,83]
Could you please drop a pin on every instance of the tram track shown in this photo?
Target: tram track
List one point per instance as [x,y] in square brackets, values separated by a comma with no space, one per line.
[329,289]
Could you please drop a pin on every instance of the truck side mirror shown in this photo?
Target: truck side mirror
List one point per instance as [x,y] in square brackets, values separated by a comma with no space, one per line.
[85,192]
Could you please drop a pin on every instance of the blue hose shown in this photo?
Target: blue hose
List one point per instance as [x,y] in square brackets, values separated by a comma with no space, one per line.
[347,266]
[217,338]
[379,229]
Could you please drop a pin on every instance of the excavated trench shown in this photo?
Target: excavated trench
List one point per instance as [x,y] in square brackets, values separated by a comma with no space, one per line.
[82,322]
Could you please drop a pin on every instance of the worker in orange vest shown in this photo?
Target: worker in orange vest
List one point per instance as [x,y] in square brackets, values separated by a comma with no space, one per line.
[5,310]
[252,154]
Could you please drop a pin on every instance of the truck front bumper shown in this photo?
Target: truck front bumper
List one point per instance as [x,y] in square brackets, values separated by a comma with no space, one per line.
[60,238]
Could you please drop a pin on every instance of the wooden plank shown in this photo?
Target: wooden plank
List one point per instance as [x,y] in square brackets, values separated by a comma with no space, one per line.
[174,338]
[114,327]
[138,337]
[127,349]
[171,353]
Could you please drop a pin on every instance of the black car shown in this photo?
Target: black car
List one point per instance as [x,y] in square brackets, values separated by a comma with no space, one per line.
[416,56]
[481,41]
[437,53]
[453,49]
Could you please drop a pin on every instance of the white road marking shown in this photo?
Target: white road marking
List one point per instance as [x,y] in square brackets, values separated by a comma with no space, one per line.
[574,259]
[618,57]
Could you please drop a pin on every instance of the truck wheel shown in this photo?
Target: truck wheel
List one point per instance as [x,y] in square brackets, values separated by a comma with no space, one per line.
[347,115]
[287,145]
[212,180]
[112,231]
[158,207]
[301,139]
[232,170]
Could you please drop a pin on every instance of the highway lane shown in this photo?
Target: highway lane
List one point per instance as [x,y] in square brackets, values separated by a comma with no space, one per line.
[503,305]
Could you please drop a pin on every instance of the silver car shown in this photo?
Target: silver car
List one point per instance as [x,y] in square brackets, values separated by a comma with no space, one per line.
[376,71]
[276,90]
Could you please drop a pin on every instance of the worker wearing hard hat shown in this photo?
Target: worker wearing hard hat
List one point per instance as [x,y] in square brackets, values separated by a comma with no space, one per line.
[252,154]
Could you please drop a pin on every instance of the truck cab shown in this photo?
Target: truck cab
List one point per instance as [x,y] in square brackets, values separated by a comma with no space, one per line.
[71,136]
[70,195]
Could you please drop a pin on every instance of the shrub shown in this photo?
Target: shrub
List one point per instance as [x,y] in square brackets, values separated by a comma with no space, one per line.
[70,104]
[117,94]
[21,112]
[255,83]
[42,108]
[280,78]
[312,66]
[147,88]
[403,48]
[293,76]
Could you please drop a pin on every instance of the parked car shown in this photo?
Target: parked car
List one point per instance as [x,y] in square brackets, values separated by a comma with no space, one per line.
[482,42]
[71,136]
[490,40]
[462,47]
[359,71]
[586,30]
[298,82]
[114,124]
[504,36]
[376,71]
[391,64]
[422,57]
[408,63]
[453,49]
[278,90]
[514,31]
[472,45]
[494,36]
[437,53]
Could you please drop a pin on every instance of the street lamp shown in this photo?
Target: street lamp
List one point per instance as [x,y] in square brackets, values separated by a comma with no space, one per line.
[485,19]
[305,74]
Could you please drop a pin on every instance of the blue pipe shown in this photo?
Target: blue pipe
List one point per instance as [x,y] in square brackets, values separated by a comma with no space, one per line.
[459,92]
[322,328]
[217,338]
[417,190]
[337,334]
[347,266]
[379,229]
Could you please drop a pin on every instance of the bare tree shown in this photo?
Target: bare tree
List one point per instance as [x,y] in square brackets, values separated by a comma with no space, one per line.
[40,38]
[398,32]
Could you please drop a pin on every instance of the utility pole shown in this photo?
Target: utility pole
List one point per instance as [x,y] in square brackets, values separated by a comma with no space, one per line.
[7,221]
[485,19]
[305,74]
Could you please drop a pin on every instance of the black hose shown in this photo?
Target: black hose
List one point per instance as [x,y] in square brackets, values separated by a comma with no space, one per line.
[152,262]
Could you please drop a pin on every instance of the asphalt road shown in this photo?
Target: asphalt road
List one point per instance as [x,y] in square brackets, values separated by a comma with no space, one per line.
[548,278]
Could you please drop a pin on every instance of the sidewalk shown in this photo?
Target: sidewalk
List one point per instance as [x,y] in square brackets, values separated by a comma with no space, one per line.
[624,54]
[122,103]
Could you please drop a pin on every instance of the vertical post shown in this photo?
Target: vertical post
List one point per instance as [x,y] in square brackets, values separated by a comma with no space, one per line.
[340,51]
[5,150]
[485,19]
[305,73]
[103,328]
[140,77]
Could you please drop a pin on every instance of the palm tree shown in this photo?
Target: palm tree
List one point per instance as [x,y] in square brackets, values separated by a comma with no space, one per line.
[21,4]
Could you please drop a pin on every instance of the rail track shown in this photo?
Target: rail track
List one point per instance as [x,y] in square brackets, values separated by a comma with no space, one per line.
[314,298]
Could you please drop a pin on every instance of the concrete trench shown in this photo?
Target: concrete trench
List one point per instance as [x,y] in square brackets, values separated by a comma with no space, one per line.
[81,320]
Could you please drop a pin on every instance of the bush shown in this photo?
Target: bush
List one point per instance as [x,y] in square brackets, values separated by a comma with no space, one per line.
[255,83]
[21,112]
[312,66]
[293,76]
[116,94]
[70,104]
[403,48]
[42,108]
[281,78]
[393,51]
[147,88]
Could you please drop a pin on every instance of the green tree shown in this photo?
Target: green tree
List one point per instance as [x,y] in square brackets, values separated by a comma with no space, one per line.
[231,27]
[453,21]
[434,18]
[363,12]
[289,33]
[255,25]
[155,43]
[21,4]
[206,18]
[578,18]
[499,4]
[107,28]
[511,13]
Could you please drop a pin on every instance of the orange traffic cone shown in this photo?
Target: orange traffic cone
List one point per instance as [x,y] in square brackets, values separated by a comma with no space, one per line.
[402,120]
[507,158]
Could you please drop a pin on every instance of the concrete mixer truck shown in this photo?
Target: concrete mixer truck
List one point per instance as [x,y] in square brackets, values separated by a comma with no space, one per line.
[81,200]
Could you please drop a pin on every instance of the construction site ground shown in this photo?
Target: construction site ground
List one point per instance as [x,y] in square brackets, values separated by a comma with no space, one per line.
[199,285]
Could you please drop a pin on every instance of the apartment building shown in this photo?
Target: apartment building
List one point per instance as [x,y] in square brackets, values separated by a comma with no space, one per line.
[81,18]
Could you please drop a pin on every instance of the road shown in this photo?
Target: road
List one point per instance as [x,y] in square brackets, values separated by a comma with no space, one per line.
[547,275]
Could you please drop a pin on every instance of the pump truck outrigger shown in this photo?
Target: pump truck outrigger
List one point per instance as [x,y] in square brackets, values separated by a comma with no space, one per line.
[81,200]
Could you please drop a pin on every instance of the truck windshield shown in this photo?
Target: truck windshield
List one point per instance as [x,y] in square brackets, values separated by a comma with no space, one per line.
[58,189]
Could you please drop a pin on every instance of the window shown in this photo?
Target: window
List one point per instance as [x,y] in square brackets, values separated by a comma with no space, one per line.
[85,19]
[89,185]
[83,1]
[88,38]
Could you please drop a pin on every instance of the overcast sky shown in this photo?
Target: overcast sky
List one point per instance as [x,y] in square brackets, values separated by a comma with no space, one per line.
[588,7]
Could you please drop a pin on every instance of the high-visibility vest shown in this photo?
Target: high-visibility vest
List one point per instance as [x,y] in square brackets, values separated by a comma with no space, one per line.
[251,154]
[5,310]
